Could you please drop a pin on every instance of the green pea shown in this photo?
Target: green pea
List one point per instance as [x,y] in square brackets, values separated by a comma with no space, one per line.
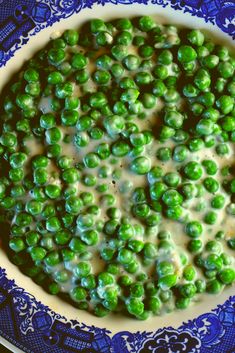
[225,104]
[70,175]
[8,139]
[222,149]
[188,290]
[218,201]
[150,250]
[164,268]
[210,61]
[171,179]
[227,276]
[186,54]
[157,189]
[131,62]
[32,238]
[164,154]
[17,244]
[52,259]
[195,144]
[167,281]
[146,23]
[196,37]
[213,287]
[171,197]
[231,243]
[37,253]
[154,174]
[159,88]
[193,170]
[34,207]
[174,119]
[182,303]
[211,184]
[53,224]
[114,124]
[213,246]
[205,127]
[213,262]
[189,273]
[78,294]
[193,229]
[82,269]
[210,217]
[180,153]
[90,237]
[120,149]
[200,285]
[16,174]
[140,165]
[202,79]
[64,90]
[210,166]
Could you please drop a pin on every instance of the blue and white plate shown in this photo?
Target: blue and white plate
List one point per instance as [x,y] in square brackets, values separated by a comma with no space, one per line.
[30,319]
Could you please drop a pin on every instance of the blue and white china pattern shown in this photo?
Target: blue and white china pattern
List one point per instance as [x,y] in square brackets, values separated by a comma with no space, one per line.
[21,19]
[28,323]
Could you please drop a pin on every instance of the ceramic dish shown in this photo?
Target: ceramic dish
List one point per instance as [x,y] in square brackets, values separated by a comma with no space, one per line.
[32,320]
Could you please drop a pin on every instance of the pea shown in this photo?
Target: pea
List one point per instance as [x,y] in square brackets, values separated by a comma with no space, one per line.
[17,244]
[227,276]
[213,246]
[146,23]
[231,243]
[196,37]
[167,281]
[189,273]
[164,154]
[225,104]
[186,54]
[52,259]
[193,170]
[188,290]
[211,184]
[171,197]
[210,217]
[164,268]
[125,231]
[213,287]
[193,229]
[180,153]
[210,166]
[140,165]
[37,253]
[135,306]
[218,201]
[70,175]
[182,303]
[174,119]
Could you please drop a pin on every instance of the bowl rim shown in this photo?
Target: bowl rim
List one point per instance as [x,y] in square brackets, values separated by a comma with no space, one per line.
[15,63]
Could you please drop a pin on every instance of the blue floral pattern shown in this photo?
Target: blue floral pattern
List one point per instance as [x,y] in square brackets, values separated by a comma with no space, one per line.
[22,19]
[170,340]
[26,322]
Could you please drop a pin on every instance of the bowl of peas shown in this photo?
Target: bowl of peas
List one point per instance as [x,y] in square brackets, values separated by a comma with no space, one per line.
[117,178]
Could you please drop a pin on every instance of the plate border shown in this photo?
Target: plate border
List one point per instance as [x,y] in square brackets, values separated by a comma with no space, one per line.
[29,320]
[30,17]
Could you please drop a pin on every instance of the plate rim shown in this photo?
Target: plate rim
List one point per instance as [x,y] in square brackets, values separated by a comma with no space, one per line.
[219,319]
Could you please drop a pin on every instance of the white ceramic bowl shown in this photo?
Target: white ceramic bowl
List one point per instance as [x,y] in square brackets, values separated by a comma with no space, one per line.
[112,323]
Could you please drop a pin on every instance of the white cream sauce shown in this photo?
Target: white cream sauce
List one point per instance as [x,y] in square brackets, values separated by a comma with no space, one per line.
[179,239]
